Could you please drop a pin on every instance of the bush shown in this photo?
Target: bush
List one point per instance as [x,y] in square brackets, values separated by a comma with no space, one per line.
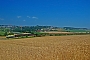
[10,33]
[5,34]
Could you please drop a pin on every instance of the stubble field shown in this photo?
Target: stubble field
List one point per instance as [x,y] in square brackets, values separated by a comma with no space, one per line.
[46,48]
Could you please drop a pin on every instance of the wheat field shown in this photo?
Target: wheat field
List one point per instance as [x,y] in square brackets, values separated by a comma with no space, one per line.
[46,48]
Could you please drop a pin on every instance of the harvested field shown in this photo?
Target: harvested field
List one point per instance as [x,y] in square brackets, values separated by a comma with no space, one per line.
[46,48]
[57,32]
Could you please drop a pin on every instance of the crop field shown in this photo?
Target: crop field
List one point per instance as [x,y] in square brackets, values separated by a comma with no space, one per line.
[76,47]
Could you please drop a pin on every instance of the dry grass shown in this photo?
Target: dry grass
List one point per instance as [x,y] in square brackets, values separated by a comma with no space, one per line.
[46,48]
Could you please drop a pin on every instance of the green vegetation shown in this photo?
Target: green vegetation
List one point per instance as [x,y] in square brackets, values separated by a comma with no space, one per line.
[36,30]
[2,33]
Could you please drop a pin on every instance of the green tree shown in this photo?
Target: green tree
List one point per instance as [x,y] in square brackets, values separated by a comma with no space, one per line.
[5,34]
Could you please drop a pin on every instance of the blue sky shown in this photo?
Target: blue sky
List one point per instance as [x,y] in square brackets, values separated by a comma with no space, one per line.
[74,13]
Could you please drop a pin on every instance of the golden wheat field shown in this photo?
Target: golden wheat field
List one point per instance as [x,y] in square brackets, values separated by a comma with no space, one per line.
[46,48]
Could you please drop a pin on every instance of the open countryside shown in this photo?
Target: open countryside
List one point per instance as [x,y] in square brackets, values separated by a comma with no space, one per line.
[75,47]
[44,29]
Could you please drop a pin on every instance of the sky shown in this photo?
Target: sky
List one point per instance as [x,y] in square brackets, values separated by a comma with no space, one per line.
[61,13]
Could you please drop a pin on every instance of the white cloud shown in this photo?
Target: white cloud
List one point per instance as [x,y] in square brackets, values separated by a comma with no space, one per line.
[19,16]
[34,17]
[1,19]
[24,20]
[28,16]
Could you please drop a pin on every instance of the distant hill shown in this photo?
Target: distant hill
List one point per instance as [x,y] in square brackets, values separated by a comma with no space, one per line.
[36,28]
[72,28]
